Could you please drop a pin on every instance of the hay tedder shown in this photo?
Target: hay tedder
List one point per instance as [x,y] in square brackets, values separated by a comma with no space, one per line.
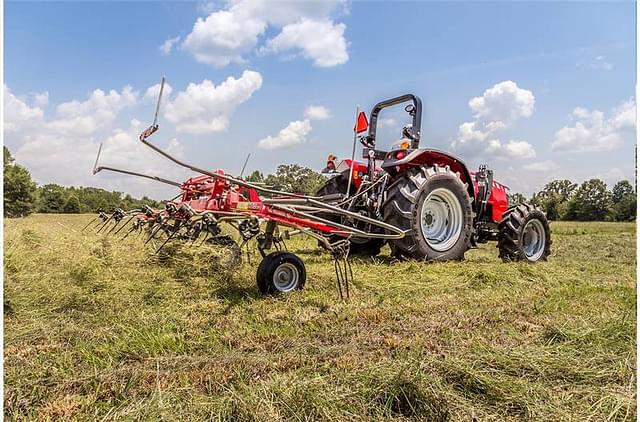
[424,203]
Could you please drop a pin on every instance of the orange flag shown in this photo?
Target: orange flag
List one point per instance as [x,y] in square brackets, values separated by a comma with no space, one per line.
[362,124]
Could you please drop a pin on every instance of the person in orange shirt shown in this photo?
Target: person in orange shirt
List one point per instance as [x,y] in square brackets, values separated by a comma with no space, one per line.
[331,164]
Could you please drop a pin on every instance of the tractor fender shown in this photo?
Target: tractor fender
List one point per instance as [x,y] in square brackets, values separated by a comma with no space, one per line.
[430,157]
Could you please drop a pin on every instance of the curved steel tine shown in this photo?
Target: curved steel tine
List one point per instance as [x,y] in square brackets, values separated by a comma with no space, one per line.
[105,223]
[168,238]
[114,226]
[89,223]
[125,224]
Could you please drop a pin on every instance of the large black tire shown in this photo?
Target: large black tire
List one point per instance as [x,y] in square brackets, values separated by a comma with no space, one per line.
[358,247]
[403,206]
[280,272]
[524,234]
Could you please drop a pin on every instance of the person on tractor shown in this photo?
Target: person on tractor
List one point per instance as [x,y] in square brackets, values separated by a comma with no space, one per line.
[331,164]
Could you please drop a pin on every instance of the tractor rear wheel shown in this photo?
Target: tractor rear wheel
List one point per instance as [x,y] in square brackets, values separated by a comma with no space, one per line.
[524,234]
[359,246]
[432,205]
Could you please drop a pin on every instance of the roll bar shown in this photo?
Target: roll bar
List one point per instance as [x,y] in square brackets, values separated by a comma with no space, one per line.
[417,117]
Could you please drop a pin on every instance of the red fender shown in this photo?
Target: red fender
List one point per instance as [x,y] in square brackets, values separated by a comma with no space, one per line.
[431,157]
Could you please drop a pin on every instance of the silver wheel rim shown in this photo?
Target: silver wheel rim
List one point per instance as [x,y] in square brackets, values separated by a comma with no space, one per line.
[441,219]
[285,277]
[533,239]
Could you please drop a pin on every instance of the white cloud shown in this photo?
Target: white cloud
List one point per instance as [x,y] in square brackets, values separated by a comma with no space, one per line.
[502,104]
[61,147]
[317,112]
[511,149]
[612,176]
[17,113]
[296,131]
[592,132]
[41,99]
[624,116]
[322,41]
[99,101]
[386,122]
[541,166]
[228,34]
[223,37]
[82,118]
[294,134]
[601,63]
[205,107]
[167,46]
[152,92]
[497,109]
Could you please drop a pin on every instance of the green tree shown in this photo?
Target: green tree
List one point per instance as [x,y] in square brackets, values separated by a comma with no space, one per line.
[555,197]
[72,206]
[590,202]
[296,179]
[7,159]
[52,198]
[516,198]
[255,177]
[623,202]
[20,192]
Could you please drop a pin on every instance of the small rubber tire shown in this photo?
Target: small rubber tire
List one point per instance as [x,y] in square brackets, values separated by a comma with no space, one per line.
[514,234]
[280,272]
[403,208]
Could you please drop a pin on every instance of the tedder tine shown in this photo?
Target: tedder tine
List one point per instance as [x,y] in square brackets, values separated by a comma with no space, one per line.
[89,223]
[124,225]
[153,234]
[128,233]
[114,226]
[105,223]
[168,239]
[206,235]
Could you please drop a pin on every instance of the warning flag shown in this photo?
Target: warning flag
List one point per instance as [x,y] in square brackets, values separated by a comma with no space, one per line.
[362,124]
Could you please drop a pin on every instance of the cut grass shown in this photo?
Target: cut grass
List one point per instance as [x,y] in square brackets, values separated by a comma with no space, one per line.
[97,328]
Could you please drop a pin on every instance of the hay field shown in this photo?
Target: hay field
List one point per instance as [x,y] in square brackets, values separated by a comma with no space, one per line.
[97,329]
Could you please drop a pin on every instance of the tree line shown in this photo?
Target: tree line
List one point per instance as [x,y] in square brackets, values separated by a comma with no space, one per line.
[560,199]
[22,196]
[292,178]
[589,201]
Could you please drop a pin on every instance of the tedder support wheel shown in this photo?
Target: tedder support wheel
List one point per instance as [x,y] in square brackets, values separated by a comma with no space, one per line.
[280,272]
[524,234]
[359,246]
[432,205]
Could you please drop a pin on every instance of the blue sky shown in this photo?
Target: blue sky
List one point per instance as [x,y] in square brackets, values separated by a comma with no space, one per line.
[554,84]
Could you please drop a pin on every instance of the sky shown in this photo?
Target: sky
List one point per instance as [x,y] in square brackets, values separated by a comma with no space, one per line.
[536,90]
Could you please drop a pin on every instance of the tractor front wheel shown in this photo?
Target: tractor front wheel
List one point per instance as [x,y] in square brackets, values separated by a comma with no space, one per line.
[433,207]
[524,234]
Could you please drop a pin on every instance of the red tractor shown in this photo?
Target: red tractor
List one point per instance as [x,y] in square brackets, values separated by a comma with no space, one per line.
[443,208]
[424,202]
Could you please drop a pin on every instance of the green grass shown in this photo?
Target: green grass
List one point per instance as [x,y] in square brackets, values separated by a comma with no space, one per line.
[98,329]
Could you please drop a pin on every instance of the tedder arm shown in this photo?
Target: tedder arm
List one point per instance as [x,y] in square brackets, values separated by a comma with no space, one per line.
[97,169]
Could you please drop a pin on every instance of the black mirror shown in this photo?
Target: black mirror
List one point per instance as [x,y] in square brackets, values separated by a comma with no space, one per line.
[411,109]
